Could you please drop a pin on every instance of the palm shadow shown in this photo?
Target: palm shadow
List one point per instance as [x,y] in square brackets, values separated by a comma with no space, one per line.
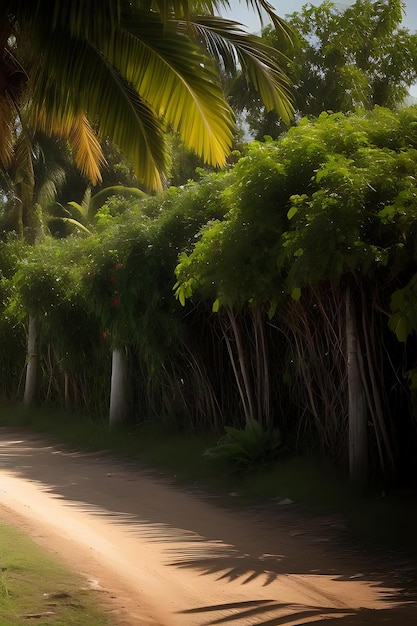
[270,613]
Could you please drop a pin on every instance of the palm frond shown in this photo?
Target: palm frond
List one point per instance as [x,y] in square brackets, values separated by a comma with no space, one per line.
[281,26]
[103,195]
[73,16]
[132,66]
[75,78]
[86,149]
[76,223]
[50,158]
[76,130]
[261,64]
[7,123]
[178,81]
[47,192]
[78,211]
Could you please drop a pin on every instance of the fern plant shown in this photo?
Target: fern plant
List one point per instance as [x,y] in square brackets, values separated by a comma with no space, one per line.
[248,447]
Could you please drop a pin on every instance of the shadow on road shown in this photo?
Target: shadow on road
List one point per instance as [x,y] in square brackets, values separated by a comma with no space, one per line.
[248,545]
[301,615]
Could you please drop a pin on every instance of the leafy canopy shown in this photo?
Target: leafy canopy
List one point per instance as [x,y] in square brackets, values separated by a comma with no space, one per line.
[341,59]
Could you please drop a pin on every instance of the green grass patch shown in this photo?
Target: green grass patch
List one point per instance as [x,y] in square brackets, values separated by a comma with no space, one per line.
[35,587]
[386,519]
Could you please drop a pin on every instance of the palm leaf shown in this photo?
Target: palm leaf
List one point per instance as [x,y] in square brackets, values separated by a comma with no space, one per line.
[261,64]
[101,196]
[7,119]
[64,89]
[127,71]
[79,210]
[178,81]
[280,25]
[76,223]
[77,131]
[86,149]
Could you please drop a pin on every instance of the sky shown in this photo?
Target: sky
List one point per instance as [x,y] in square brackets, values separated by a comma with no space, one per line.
[284,7]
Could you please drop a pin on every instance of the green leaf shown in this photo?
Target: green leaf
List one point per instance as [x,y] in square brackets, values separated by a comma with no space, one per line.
[296,294]
[411,376]
[180,292]
[216,306]
[292,212]
[402,328]
[387,214]
[397,300]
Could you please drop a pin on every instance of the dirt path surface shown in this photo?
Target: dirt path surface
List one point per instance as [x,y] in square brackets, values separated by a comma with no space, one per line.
[160,556]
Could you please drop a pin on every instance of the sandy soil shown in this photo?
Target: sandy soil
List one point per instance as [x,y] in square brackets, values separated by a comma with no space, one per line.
[161,556]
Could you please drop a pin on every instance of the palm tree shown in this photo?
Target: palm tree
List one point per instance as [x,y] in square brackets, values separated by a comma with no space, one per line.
[82,217]
[129,69]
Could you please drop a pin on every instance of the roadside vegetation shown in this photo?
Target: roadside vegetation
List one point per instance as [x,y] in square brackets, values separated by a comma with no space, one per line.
[35,587]
[277,293]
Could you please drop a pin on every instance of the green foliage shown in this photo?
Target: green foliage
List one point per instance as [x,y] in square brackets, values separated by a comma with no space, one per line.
[11,330]
[251,447]
[127,267]
[403,319]
[234,260]
[45,287]
[334,196]
[342,59]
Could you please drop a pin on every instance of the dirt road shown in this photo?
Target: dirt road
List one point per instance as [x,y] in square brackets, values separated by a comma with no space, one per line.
[161,556]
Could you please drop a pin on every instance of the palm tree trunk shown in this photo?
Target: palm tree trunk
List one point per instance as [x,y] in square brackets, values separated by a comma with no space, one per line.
[31,363]
[358,420]
[118,402]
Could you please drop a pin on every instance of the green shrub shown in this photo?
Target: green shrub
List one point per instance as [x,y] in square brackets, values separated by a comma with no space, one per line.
[249,447]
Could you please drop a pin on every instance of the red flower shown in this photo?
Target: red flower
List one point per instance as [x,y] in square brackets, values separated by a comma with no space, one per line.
[116,301]
[118,266]
[105,334]
[112,279]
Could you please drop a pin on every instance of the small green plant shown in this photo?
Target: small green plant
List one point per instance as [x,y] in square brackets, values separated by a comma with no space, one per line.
[248,447]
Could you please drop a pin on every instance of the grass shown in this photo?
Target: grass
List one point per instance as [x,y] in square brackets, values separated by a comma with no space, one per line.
[379,519]
[36,587]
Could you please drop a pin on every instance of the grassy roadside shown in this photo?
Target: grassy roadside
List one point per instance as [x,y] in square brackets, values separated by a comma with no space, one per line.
[383,519]
[34,587]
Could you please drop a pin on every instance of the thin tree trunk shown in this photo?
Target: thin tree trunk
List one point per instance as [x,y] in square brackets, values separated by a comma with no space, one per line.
[118,389]
[358,422]
[31,363]
[66,391]
[262,369]
[379,415]
[239,383]
[250,412]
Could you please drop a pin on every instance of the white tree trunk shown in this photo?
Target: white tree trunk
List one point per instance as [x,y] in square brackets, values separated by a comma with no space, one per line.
[118,402]
[358,420]
[31,363]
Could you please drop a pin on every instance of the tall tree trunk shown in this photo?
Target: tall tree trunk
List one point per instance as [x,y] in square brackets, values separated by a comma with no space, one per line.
[358,421]
[118,388]
[31,363]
